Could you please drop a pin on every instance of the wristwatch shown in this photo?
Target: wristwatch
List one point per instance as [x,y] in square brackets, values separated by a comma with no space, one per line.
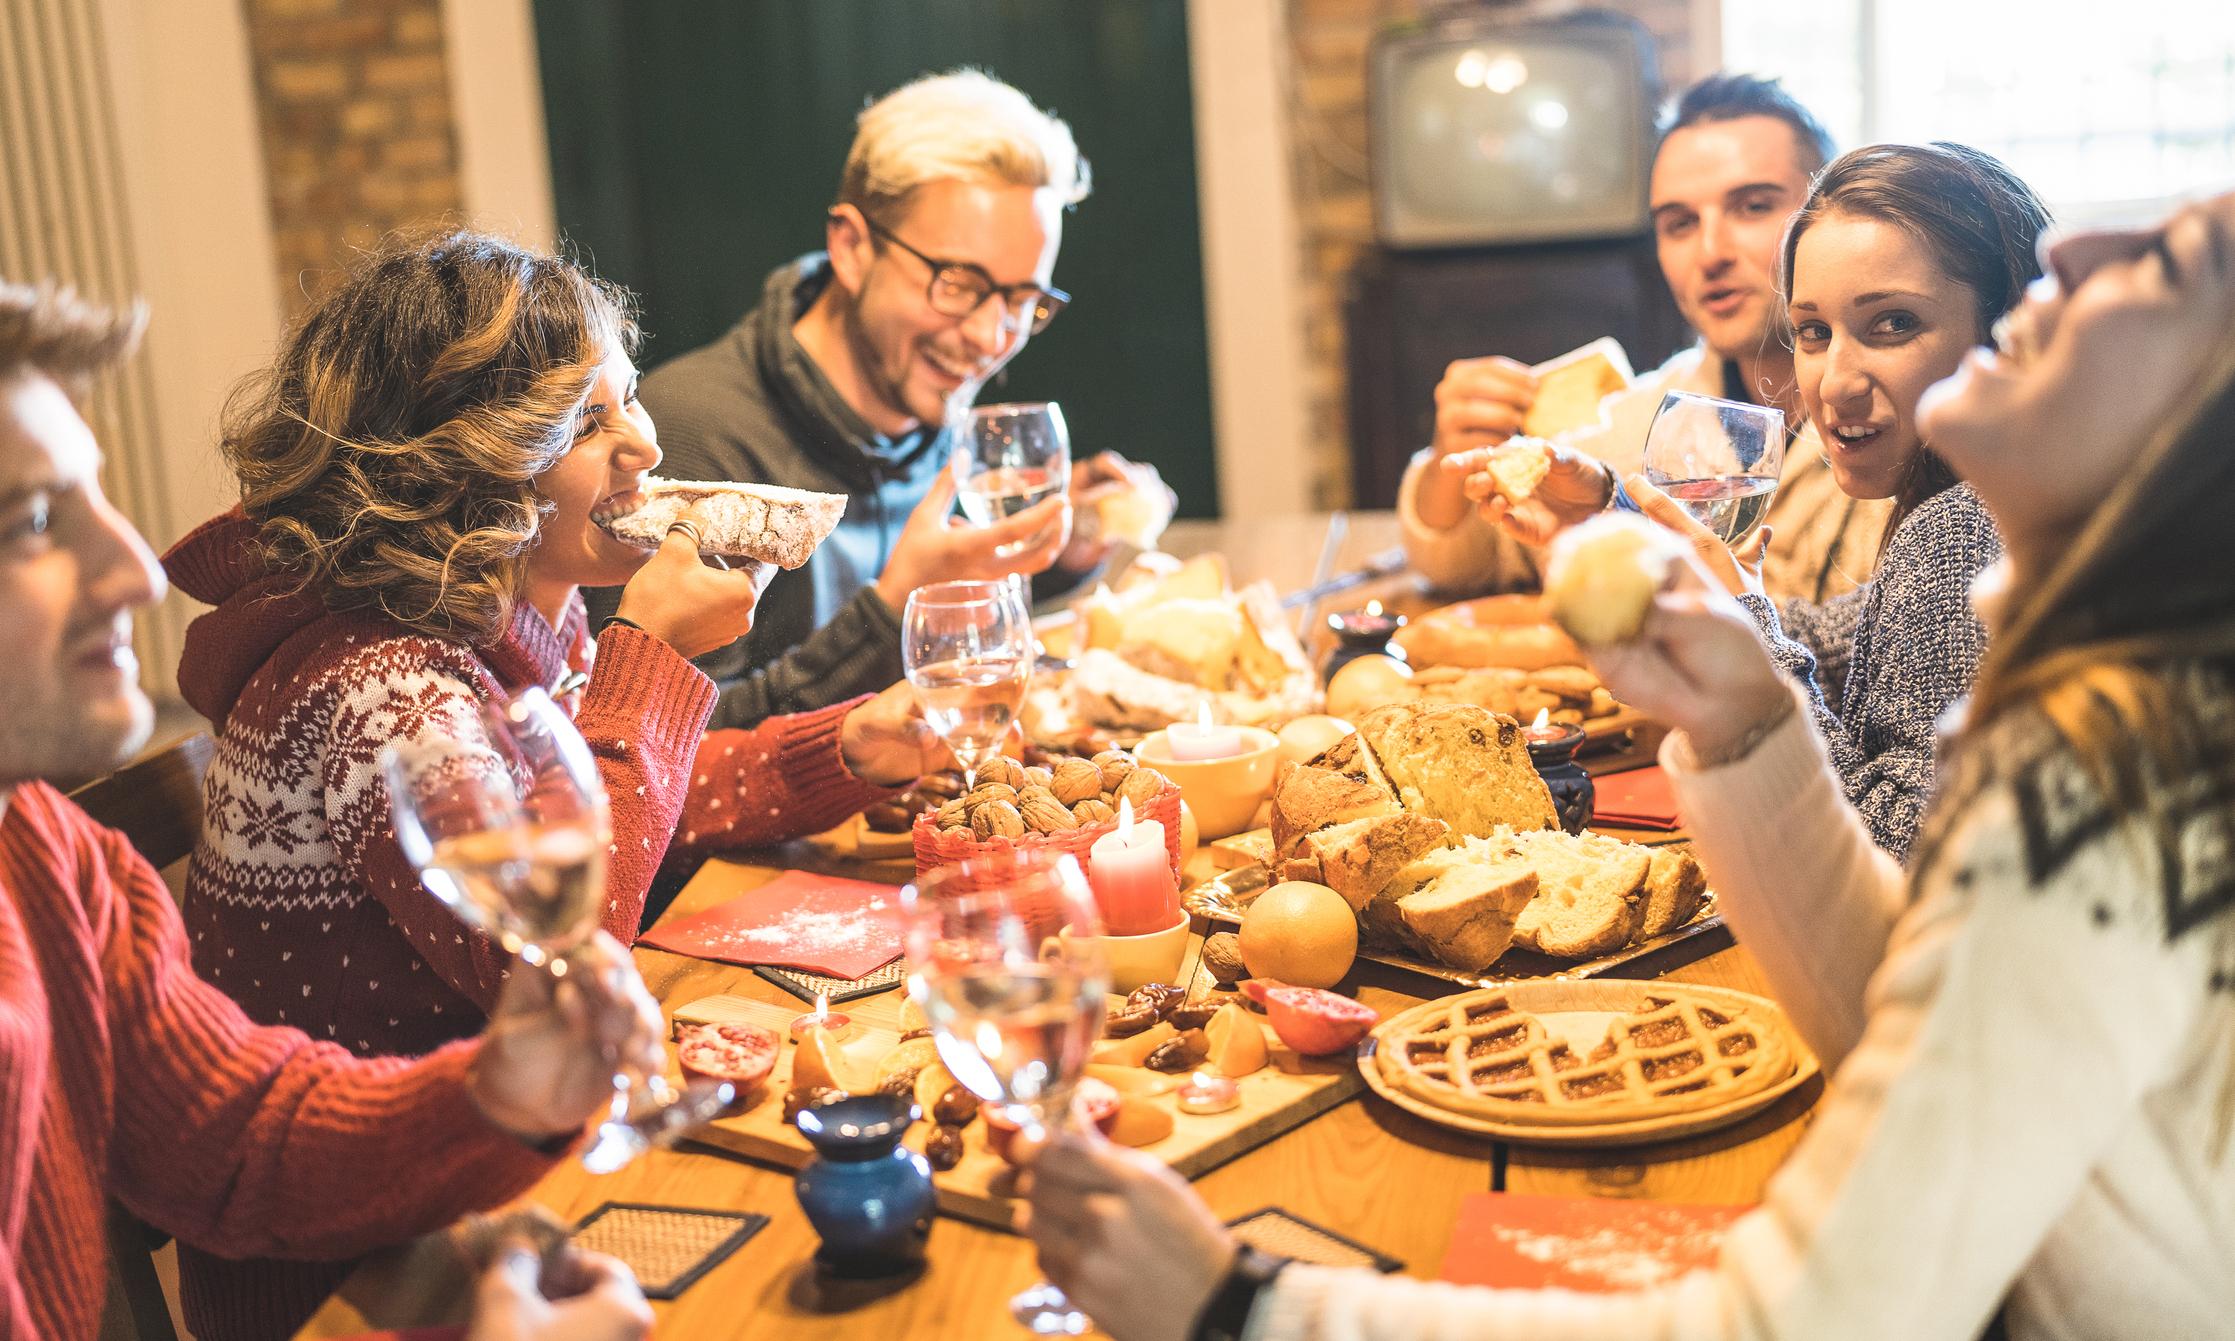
[1227,1313]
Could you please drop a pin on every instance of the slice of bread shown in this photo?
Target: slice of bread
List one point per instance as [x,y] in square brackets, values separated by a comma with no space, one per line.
[735,521]
[1465,765]
[1459,905]
[1675,886]
[1311,797]
[1518,467]
[1359,858]
[1570,388]
[1590,894]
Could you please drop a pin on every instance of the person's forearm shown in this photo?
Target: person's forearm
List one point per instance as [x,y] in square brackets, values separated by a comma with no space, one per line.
[857,652]
[1439,496]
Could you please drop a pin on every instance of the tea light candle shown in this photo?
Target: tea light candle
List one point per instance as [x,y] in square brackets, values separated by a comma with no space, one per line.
[1202,739]
[1204,1092]
[1131,876]
[1370,627]
[1545,731]
[839,1024]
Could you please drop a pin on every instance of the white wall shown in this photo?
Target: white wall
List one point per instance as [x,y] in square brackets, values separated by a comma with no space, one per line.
[496,100]
[1239,64]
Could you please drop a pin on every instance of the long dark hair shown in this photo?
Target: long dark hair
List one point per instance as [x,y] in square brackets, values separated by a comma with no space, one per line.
[1978,219]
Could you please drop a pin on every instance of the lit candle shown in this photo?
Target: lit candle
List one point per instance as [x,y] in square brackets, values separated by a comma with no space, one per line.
[1201,739]
[1130,873]
[1542,732]
[839,1025]
[1205,1092]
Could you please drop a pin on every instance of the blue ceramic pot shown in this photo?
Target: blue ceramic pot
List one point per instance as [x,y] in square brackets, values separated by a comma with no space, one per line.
[868,1196]
[1572,792]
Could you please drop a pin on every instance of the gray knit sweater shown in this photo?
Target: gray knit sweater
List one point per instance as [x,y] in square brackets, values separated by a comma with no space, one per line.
[1910,646]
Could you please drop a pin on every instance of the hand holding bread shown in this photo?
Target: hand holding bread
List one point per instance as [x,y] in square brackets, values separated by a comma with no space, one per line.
[1738,568]
[1664,636]
[691,607]
[1565,487]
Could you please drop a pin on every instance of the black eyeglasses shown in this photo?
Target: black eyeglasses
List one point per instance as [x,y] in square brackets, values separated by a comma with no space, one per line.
[959,288]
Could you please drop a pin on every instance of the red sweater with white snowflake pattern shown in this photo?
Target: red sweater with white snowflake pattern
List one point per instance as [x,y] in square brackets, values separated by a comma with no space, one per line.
[299,901]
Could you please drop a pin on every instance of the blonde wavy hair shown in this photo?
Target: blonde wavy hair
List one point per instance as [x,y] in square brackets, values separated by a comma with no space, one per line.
[963,126]
[389,456]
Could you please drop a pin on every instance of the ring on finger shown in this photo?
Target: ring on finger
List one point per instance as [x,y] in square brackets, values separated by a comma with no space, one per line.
[690,529]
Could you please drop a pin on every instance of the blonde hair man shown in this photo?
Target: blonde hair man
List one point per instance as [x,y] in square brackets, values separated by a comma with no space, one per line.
[939,267]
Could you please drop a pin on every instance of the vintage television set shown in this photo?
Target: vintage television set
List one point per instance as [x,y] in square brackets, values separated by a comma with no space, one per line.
[1511,147]
[1510,125]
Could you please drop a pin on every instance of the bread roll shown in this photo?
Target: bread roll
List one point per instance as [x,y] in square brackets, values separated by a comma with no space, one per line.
[1570,388]
[1602,576]
[1519,466]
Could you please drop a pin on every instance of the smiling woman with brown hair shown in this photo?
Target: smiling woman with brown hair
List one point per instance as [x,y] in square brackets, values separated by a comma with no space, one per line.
[420,473]
[2031,1032]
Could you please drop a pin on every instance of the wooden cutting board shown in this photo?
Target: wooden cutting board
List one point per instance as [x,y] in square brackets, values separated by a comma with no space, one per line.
[982,1187]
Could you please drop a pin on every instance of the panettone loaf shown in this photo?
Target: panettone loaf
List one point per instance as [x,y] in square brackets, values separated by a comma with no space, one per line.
[1465,765]
[1459,905]
[1675,886]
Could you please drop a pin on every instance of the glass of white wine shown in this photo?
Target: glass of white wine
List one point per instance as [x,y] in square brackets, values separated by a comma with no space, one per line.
[1005,961]
[1008,457]
[508,827]
[1719,459]
[968,650]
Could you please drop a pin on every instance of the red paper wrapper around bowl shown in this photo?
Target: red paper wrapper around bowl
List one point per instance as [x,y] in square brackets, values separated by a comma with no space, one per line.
[936,848]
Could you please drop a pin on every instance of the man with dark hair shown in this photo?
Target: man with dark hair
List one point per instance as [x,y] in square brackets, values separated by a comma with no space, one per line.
[1734,163]
[124,1076]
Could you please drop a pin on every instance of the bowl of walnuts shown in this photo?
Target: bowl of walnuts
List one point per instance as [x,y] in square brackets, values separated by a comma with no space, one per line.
[1062,805]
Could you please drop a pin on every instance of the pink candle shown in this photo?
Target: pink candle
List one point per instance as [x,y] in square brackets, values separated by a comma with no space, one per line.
[1201,739]
[1131,875]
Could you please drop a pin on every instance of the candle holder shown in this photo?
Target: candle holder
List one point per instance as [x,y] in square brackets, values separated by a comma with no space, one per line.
[868,1196]
[837,1022]
[1205,1092]
[1361,633]
[1552,749]
[1223,793]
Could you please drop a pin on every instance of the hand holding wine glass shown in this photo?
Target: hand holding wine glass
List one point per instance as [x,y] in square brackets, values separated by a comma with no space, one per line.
[1004,960]
[968,651]
[508,827]
[1008,457]
[1720,460]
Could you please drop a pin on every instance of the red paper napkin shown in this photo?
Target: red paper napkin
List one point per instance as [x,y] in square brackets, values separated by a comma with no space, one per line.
[1639,798]
[838,928]
[1598,1244]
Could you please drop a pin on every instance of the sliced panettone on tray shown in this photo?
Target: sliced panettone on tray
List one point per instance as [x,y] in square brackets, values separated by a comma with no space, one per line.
[1590,894]
[1675,887]
[1457,905]
[1359,858]
[1310,797]
[1465,765]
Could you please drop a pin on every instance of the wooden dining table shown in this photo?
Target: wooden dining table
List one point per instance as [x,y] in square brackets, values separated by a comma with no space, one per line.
[1366,1169]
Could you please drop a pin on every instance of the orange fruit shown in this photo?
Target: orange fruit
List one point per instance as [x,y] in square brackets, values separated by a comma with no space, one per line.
[1300,933]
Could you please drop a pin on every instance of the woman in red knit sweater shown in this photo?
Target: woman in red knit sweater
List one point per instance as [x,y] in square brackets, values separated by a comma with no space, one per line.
[419,471]
[121,1074]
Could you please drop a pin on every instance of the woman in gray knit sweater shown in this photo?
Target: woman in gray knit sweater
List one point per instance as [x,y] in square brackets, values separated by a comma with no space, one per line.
[1902,259]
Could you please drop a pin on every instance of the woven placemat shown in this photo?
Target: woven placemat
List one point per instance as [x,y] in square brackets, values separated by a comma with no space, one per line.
[1275,1231]
[668,1247]
[804,985]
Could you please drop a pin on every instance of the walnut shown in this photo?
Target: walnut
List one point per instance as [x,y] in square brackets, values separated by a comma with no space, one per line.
[1044,814]
[1037,777]
[991,791]
[1002,769]
[1076,780]
[1115,765]
[1094,810]
[1142,786]
[996,819]
[1222,955]
[954,814]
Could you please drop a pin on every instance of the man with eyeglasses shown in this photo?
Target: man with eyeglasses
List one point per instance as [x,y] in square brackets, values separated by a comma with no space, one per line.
[940,266]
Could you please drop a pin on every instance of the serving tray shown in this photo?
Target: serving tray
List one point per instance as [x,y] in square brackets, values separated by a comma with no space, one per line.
[1221,898]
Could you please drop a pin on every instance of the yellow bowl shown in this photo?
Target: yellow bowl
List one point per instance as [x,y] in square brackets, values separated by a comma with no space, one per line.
[1136,961]
[1223,793]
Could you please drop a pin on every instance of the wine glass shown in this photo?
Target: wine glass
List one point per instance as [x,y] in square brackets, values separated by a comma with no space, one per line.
[968,650]
[508,828]
[1719,459]
[1008,457]
[1005,960]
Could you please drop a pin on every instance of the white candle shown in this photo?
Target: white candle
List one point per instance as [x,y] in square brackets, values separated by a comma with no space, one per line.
[1200,739]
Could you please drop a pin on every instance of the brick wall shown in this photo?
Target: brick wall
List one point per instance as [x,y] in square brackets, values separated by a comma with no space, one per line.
[1334,210]
[354,104]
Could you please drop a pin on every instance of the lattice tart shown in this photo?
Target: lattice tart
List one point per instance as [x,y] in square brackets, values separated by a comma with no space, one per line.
[1680,1052]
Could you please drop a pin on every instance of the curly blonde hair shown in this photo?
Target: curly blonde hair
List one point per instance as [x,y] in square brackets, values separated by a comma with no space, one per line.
[389,456]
